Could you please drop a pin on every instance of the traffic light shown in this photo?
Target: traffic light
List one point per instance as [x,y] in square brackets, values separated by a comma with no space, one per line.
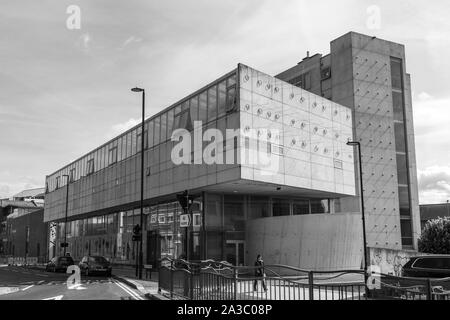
[137,233]
[185,200]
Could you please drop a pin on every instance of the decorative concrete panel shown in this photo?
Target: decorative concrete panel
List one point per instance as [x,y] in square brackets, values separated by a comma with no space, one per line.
[307,134]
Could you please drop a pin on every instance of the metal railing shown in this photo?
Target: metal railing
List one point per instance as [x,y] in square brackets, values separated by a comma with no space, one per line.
[212,280]
[406,288]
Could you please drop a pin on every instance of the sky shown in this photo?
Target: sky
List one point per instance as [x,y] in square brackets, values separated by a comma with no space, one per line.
[65,90]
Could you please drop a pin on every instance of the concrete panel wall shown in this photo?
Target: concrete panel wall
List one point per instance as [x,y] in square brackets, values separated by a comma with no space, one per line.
[316,242]
[310,131]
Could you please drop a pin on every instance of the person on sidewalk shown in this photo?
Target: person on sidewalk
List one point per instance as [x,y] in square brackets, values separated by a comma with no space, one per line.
[259,273]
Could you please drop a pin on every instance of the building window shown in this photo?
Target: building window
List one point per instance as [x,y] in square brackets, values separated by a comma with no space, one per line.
[300,207]
[320,206]
[302,81]
[90,167]
[138,141]
[212,103]
[72,175]
[222,98]
[58,181]
[325,73]
[231,98]
[112,156]
[280,208]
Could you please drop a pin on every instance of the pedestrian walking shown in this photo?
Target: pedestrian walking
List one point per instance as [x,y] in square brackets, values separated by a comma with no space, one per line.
[259,273]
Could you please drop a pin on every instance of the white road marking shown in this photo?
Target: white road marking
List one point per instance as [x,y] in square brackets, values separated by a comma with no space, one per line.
[40,282]
[26,288]
[54,298]
[134,295]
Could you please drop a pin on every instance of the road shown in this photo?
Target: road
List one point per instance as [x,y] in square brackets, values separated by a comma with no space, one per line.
[20,283]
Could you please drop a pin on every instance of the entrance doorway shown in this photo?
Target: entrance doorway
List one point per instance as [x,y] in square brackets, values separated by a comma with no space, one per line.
[153,248]
[235,252]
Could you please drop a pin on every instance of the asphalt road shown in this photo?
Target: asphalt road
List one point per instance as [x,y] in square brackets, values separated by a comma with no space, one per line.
[20,283]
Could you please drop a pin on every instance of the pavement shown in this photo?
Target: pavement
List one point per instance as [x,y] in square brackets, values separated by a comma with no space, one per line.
[34,283]
[147,286]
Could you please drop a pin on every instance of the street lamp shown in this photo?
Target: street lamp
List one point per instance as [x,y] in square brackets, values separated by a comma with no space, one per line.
[358,144]
[142,179]
[67,207]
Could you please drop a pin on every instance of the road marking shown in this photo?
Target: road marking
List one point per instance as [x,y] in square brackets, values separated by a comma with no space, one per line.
[127,290]
[54,298]
[26,288]
[40,282]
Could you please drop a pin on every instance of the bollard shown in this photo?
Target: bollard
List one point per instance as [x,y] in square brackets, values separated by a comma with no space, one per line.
[311,285]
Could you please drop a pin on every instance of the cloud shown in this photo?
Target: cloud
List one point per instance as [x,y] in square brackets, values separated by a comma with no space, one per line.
[423,96]
[434,184]
[130,40]
[122,127]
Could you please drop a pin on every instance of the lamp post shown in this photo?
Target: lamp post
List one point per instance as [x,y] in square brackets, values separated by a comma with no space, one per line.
[67,208]
[142,177]
[358,144]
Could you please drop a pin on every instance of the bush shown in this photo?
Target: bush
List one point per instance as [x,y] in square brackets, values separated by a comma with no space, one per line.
[435,237]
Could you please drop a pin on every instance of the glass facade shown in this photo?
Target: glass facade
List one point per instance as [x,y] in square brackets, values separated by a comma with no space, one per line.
[220,237]
[207,105]
[401,151]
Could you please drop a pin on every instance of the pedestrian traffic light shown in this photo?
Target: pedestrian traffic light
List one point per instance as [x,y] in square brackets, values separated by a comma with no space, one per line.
[137,233]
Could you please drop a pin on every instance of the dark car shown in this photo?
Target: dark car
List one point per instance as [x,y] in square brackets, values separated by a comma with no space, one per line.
[95,264]
[59,264]
[427,267]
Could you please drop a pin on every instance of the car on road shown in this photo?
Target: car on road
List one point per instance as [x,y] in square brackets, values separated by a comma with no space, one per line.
[59,264]
[95,265]
[427,267]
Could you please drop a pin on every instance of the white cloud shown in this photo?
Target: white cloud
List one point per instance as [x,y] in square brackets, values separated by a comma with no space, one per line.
[122,127]
[431,122]
[423,96]
[130,40]
[434,184]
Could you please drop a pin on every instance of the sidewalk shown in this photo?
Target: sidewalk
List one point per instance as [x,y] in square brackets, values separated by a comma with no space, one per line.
[147,286]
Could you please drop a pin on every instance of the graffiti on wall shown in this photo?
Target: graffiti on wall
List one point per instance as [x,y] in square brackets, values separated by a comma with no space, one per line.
[390,261]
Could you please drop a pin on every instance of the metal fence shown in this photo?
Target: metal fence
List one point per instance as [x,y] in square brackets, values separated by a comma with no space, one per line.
[404,288]
[211,280]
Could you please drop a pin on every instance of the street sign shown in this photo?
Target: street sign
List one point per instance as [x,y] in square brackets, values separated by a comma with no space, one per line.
[64,245]
[197,217]
[185,220]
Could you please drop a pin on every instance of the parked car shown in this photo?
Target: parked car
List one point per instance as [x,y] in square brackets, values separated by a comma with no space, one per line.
[95,264]
[59,264]
[427,267]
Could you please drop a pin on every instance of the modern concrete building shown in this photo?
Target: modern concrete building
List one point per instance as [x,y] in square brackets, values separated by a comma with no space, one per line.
[369,76]
[282,180]
[283,159]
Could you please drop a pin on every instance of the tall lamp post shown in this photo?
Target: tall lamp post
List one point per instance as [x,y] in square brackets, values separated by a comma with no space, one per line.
[358,144]
[67,208]
[142,178]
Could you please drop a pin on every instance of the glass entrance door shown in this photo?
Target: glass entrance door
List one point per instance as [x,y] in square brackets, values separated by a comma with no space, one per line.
[235,252]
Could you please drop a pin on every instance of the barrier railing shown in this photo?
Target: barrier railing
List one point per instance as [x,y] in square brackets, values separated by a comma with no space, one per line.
[212,280]
[406,288]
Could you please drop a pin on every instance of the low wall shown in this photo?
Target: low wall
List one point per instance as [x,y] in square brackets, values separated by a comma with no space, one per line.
[391,261]
[311,242]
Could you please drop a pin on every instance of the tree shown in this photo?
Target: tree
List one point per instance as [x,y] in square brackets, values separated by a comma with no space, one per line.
[436,237]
